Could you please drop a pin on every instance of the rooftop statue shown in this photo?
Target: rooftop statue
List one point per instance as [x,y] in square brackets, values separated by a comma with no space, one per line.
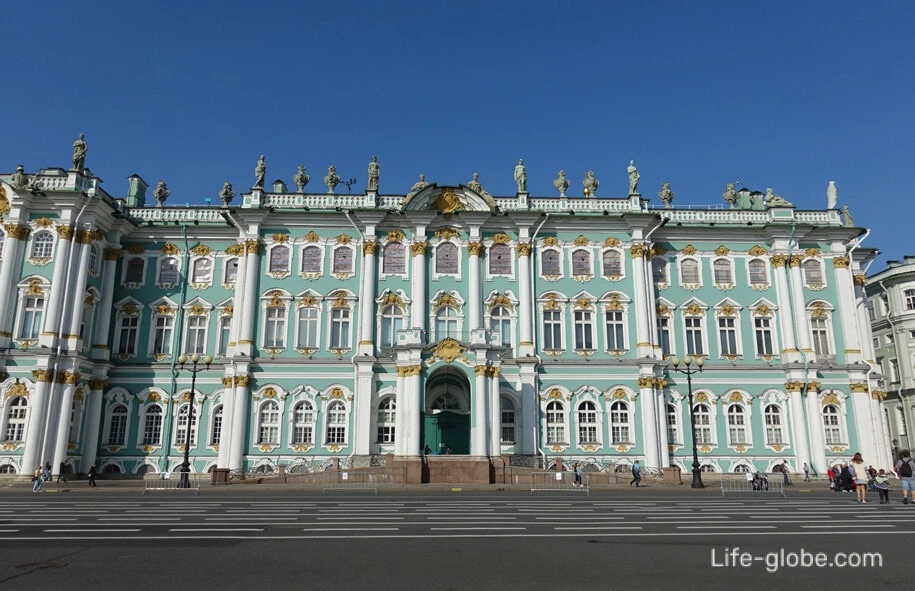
[80,147]
[34,184]
[730,195]
[161,193]
[301,179]
[374,174]
[332,179]
[666,195]
[561,183]
[476,186]
[633,178]
[591,184]
[832,195]
[226,194]
[521,176]
[18,180]
[260,171]
[773,200]
[416,188]
[847,220]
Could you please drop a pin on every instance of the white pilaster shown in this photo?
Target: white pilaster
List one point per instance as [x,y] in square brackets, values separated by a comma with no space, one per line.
[52,325]
[798,425]
[228,407]
[63,421]
[800,309]
[367,299]
[847,303]
[649,421]
[480,409]
[790,353]
[474,287]
[640,299]
[815,429]
[34,437]
[529,429]
[245,344]
[363,407]
[240,422]
[418,285]
[413,446]
[13,248]
[495,413]
[93,419]
[73,316]
[526,301]
[100,347]
[401,421]
[238,302]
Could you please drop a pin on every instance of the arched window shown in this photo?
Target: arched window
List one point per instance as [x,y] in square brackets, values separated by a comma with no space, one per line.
[343,260]
[446,323]
[268,423]
[587,423]
[303,424]
[689,271]
[581,262]
[117,425]
[508,420]
[446,401]
[387,413]
[135,269]
[446,258]
[549,263]
[832,428]
[394,258]
[773,417]
[231,271]
[613,265]
[152,425]
[673,431]
[17,409]
[216,426]
[311,259]
[182,426]
[758,272]
[813,273]
[279,260]
[620,428]
[392,320]
[43,245]
[723,275]
[555,422]
[500,322]
[168,272]
[203,271]
[703,423]
[737,425]
[708,468]
[336,423]
[659,270]
[500,259]
[741,469]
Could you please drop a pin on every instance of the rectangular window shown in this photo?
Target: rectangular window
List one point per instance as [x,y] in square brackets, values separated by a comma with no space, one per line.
[231,270]
[909,299]
[871,311]
[758,275]
[117,429]
[127,335]
[279,259]
[763,330]
[552,330]
[216,429]
[664,335]
[694,336]
[32,315]
[508,426]
[196,334]
[584,338]
[225,330]
[614,324]
[162,339]
[343,260]
[727,336]
[549,263]
[820,333]
[339,328]
[275,328]
[308,328]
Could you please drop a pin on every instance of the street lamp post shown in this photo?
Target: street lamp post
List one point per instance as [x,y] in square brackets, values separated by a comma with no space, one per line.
[195,359]
[688,372]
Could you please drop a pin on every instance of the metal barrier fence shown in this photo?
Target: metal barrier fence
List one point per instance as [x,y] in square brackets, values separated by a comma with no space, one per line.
[171,481]
[748,483]
[560,482]
[346,480]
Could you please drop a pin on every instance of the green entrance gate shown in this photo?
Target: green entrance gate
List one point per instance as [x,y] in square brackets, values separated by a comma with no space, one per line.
[447,430]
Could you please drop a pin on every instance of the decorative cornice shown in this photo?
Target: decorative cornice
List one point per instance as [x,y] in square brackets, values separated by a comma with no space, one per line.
[236,249]
[65,232]
[524,249]
[252,247]
[475,248]
[42,375]
[841,262]
[638,250]
[858,386]
[17,231]
[409,370]
[794,386]
[796,260]
[369,247]
[418,249]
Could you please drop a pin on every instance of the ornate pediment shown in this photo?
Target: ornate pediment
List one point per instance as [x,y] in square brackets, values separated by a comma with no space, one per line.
[449,200]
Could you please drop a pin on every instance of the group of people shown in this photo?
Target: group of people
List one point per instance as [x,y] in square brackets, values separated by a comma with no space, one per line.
[43,474]
[860,477]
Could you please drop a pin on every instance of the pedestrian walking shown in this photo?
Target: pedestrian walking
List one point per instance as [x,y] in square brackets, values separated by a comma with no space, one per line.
[92,472]
[860,473]
[882,483]
[636,474]
[905,469]
[62,475]
[785,473]
[46,472]
[806,472]
[577,469]
[36,479]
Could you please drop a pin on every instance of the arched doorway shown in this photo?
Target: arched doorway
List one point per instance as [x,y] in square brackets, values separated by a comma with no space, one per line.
[446,413]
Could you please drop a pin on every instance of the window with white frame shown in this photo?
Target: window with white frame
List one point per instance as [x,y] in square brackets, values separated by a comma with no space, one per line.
[500,323]
[900,421]
[216,426]
[613,322]
[230,275]
[832,429]
[196,334]
[737,425]
[774,428]
[703,418]
[673,432]
[311,260]
[759,272]
[75,415]
[813,273]
[279,260]
[336,423]
[507,407]
[620,426]
[152,425]
[584,330]
[303,424]
[42,245]
[387,413]
[694,339]
[552,330]
[446,323]
[689,271]
[392,320]
[723,272]
[762,330]
[587,423]
[343,260]
[909,296]
[612,263]
[181,428]
[268,423]
[819,330]
[32,316]
[500,259]
[202,271]
[307,337]
[446,259]
[549,263]
[163,326]
[394,258]
[93,260]
[555,422]
[659,270]
[134,270]
[225,333]
[168,271]
[727,335]
[117,425]
[16,415]
[275,327]
[664,335]
[894,371]
[581,262]
[340,320]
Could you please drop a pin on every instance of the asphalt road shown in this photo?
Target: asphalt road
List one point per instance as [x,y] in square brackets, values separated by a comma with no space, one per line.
[446,540]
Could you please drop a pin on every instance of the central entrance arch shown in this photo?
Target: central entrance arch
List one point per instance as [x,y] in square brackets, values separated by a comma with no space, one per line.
[446,412]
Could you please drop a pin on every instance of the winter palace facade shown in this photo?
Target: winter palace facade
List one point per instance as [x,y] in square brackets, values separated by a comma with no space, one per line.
[444,321]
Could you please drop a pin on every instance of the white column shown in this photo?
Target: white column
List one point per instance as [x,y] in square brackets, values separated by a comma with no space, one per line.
[63,420]
[418,285]
[367,298]
[480,409]
[864,425]
[800,310]
[363,407]
[649,421]
[529,428]
[661,410]
[815,429]
[847,304]
[13,246]
[100,348]
[38,401]
[798,422]
[495,413]
[785,313]
[240,422]
[640,299]
[414,389]
[401,419]
[238,300]
[228,406]
[245,343]
[92,422]
[74,315]
[526,303]
[474,288]
[49,336]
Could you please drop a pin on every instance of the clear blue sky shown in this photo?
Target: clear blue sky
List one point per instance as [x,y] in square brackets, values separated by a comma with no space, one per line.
[787,95]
